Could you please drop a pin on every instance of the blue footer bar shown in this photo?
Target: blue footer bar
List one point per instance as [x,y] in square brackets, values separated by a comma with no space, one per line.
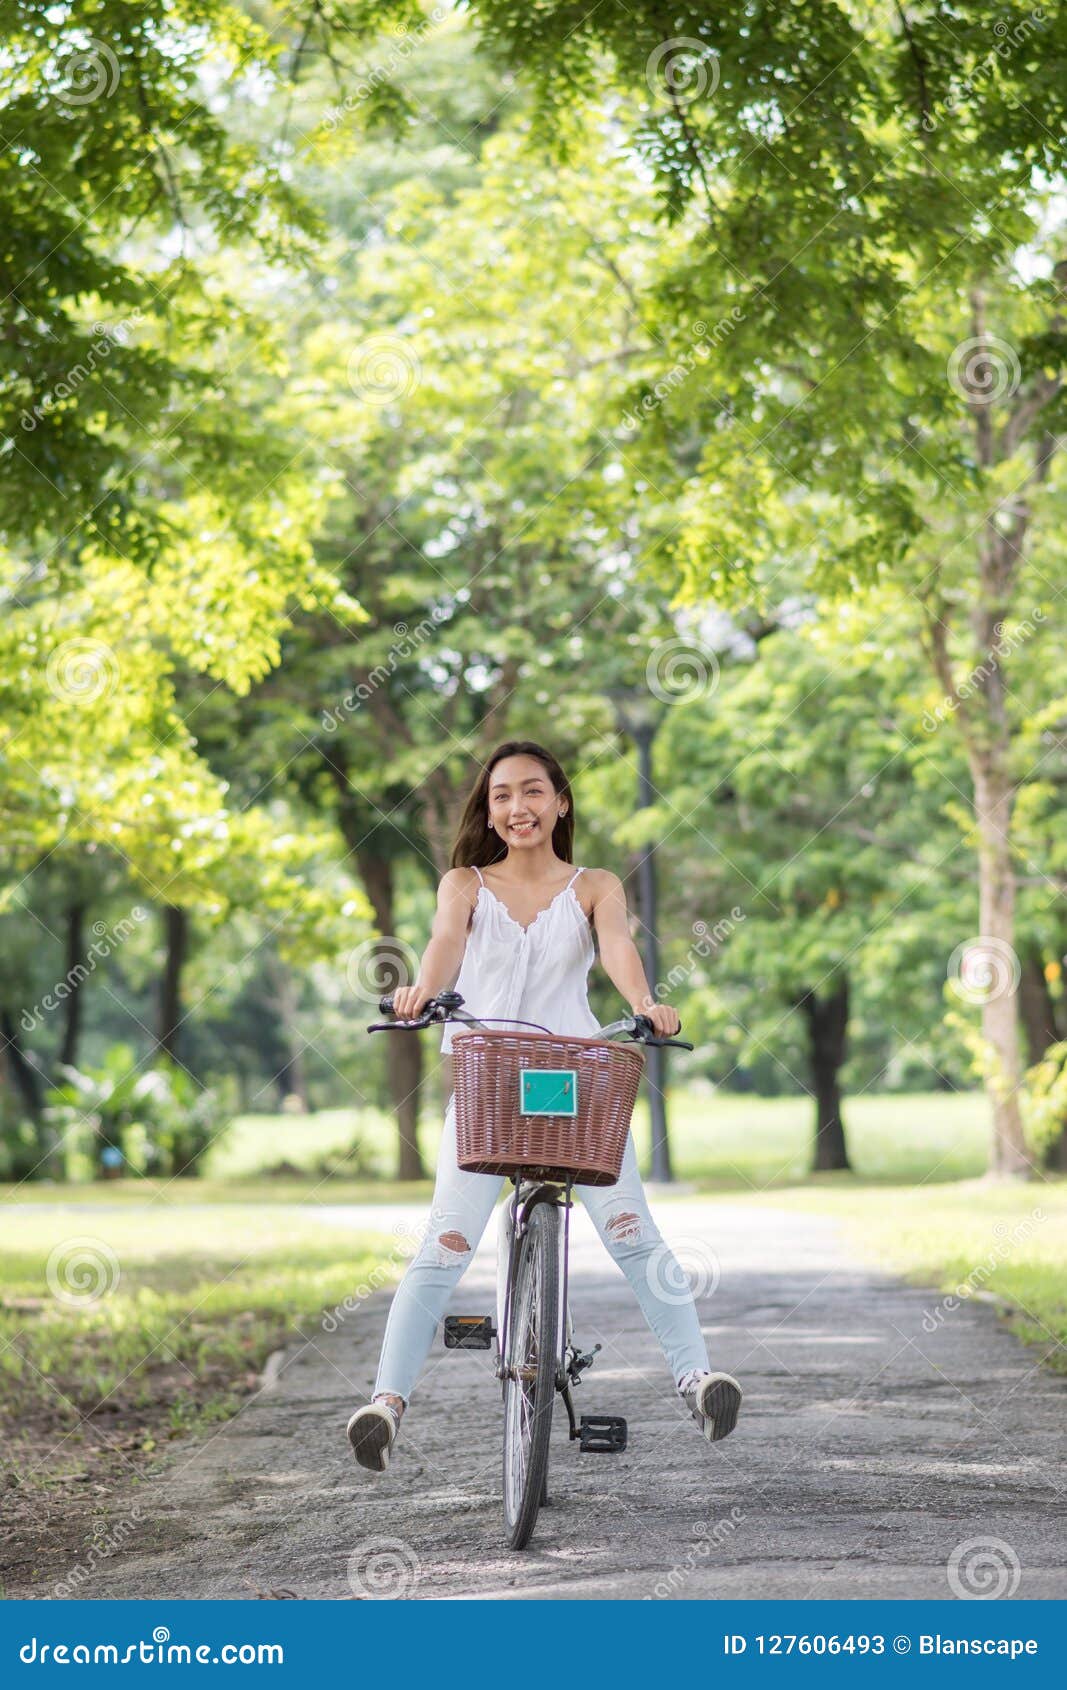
[975,1642]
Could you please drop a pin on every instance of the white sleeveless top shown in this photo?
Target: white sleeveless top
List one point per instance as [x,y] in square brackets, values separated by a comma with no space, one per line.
[536,973]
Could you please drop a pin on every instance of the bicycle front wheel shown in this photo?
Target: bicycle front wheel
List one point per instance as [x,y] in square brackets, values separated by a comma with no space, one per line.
[530,1382]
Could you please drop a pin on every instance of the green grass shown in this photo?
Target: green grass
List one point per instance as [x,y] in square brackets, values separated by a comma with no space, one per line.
[305,1192]
[725,1142]
[193,1300]
[255,1143]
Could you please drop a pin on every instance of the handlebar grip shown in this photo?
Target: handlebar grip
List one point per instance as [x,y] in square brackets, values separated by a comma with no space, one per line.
[447,1001]
[649,1035]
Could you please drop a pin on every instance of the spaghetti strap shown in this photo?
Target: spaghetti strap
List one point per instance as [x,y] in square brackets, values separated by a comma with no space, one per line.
[572,879]
[478,872]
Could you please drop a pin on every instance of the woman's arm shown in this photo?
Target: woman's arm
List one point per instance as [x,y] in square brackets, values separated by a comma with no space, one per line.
[448,940]
[621,958]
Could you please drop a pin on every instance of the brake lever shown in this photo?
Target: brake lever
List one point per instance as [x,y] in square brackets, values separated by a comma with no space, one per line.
[403,1026]
[679,1044]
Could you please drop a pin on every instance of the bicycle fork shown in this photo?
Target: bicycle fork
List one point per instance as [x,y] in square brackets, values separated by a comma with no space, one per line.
[509,1239]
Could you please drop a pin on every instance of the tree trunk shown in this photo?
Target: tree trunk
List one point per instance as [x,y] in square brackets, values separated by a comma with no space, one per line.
[26,1080]
[827,1020]
[405,1082]
[1056,1153]
[291,1079]
[1037,1009]
[981,713]
[176,935]
[1000,1003]
[403,1051]
[68,1050]
[24,1076]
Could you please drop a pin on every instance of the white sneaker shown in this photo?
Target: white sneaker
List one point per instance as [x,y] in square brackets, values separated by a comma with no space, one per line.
[372,1433]
[714,1399]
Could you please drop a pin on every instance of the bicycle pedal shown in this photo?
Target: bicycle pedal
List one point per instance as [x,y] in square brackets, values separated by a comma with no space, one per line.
[602,1434]
[469,1332]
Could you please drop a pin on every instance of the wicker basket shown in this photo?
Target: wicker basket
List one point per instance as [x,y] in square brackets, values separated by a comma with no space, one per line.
[495,1136]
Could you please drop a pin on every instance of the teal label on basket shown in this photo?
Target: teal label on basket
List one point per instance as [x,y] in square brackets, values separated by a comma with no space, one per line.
[548,1091]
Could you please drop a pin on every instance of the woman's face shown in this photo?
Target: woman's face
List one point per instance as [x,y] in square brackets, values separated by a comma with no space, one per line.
[523,803]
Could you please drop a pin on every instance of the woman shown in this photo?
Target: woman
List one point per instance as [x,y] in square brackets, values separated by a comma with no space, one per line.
[522,933]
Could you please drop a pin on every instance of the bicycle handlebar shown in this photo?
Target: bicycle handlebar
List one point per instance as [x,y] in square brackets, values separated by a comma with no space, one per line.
[443,1007]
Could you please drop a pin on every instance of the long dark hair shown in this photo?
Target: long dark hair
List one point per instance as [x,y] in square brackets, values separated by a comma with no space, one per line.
[478,845]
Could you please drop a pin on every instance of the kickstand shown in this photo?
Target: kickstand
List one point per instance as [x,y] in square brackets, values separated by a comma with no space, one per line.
[569,1401]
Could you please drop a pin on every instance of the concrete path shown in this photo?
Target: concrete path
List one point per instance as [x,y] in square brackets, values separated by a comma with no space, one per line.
[887,1448]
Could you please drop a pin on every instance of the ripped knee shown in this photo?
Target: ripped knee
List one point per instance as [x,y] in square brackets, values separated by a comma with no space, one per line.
[624,1228]
[451,1248]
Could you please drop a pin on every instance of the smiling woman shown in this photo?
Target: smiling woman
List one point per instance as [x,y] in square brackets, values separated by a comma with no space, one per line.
[518,948]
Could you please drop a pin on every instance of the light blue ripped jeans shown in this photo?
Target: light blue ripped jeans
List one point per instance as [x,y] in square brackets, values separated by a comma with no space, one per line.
[462,1205]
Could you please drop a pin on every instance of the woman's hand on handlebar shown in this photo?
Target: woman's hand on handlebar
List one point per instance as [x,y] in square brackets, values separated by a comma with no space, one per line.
[410,1001]
[664,1018]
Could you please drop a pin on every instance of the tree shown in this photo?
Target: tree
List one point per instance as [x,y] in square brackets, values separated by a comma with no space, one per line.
[861,208]
[807,863]
[457,403]
[148,529]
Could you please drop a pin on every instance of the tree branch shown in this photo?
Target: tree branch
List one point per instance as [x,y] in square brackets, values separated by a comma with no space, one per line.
[920,72]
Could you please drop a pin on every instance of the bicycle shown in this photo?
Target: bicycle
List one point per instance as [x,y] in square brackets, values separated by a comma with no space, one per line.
[531,1140]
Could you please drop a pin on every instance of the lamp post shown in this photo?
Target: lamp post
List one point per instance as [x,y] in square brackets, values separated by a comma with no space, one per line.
[639,715]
